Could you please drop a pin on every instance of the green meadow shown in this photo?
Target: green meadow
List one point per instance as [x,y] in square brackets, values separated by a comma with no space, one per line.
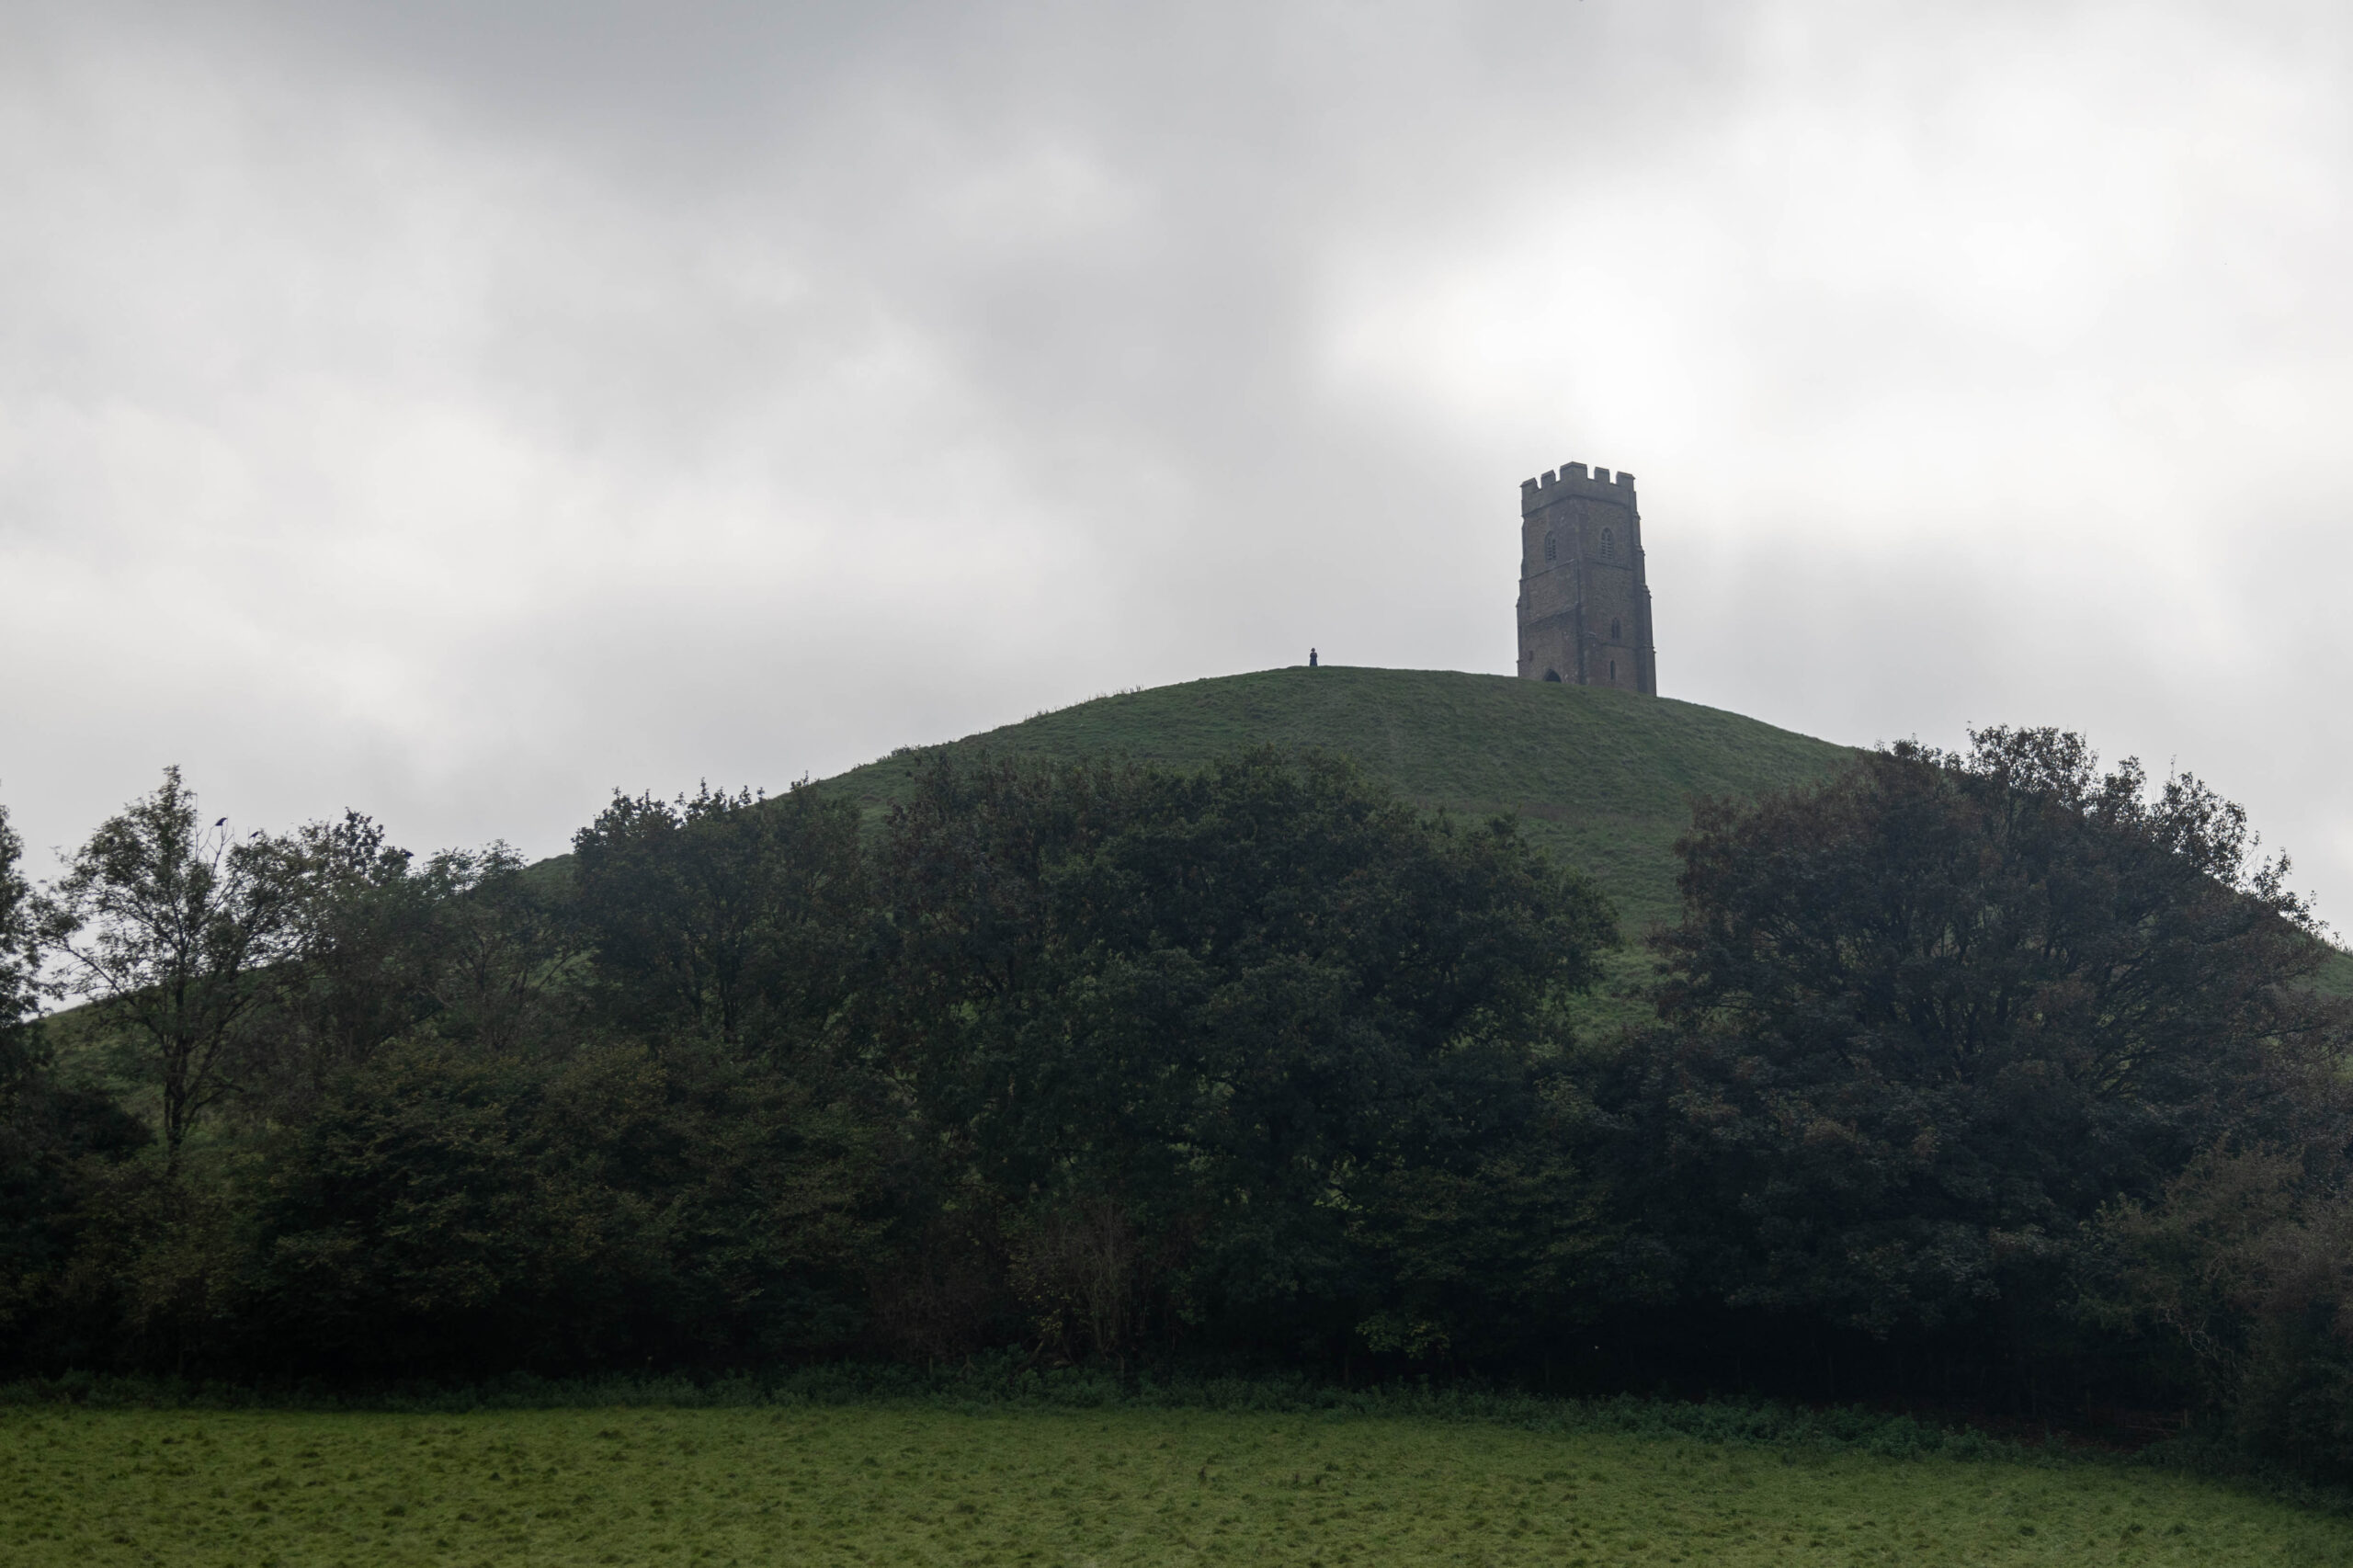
[879,1485]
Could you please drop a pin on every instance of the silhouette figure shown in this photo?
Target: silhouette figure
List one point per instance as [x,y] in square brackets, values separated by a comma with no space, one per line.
[1310,658]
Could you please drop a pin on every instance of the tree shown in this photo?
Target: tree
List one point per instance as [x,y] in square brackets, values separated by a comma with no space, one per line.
[460,1210]
[470,946]
[171,928]
[498,947]
[731,917]
[1924,1020]
[47,1131]
[1215,1028]
[364,959]
[2244,1270]
[19,952]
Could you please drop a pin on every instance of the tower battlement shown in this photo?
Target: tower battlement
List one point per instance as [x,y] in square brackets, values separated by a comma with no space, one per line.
[1537,492]
[1584,601]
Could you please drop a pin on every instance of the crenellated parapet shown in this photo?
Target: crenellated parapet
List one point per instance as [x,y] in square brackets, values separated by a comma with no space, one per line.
[1572,479]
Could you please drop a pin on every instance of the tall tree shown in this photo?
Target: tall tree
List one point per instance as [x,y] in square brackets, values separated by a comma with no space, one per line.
[1922,1020]
[170,928]
[498,945]
[362,932]
[1226,1027]
[48,1131]
[733,917]
[18,951]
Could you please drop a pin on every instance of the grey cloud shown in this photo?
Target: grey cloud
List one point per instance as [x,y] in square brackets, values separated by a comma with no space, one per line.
[454,412]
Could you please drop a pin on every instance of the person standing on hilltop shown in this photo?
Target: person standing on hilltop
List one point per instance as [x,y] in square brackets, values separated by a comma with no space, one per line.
[1310,658]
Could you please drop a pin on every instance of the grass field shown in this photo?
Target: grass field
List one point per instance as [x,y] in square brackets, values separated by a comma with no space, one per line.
[880,1485]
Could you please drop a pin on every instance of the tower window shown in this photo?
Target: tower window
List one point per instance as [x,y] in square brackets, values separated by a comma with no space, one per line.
[1609,545]
[1552,547]
[1613,670]
[1617,630]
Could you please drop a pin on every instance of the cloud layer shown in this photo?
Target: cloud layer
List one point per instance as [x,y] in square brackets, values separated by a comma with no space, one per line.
[455,416]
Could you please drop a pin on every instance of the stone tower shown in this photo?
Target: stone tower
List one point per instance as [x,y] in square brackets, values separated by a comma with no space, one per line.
[1584,609]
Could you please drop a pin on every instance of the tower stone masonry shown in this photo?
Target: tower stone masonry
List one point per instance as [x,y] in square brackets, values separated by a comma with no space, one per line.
[1585,606]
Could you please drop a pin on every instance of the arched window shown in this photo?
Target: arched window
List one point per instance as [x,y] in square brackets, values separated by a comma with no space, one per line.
[1609,545]
[1616,630]
[1613,672]
[1553,675]
[1552,547]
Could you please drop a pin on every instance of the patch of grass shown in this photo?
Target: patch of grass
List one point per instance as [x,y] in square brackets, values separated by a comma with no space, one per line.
[885,1484]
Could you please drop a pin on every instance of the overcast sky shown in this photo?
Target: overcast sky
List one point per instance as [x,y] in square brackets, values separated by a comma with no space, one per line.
[454,412]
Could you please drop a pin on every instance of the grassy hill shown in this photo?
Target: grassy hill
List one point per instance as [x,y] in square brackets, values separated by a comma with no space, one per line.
[1601,778]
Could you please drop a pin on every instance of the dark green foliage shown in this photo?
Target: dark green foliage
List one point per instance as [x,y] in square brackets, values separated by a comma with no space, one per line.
[503,959]
[1923,1021]
[1980,1076]
[1232,1029]
[1131,1052]
[171,928]
[466,947]
[2242,1267]
[18,947]
[49,1134]
[1601,780]
[1093,1058]
[56,1144]
[447,1211]
[362,927]
[724,917]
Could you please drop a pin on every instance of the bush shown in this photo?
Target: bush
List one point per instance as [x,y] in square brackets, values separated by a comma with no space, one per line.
[2243,1272]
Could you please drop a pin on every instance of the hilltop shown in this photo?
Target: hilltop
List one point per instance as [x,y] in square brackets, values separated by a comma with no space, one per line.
[1602,780]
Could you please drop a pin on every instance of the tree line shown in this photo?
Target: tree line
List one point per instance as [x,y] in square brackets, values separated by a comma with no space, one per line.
[1988,1076]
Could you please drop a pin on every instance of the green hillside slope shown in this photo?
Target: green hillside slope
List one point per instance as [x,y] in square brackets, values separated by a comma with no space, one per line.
[1601,778]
